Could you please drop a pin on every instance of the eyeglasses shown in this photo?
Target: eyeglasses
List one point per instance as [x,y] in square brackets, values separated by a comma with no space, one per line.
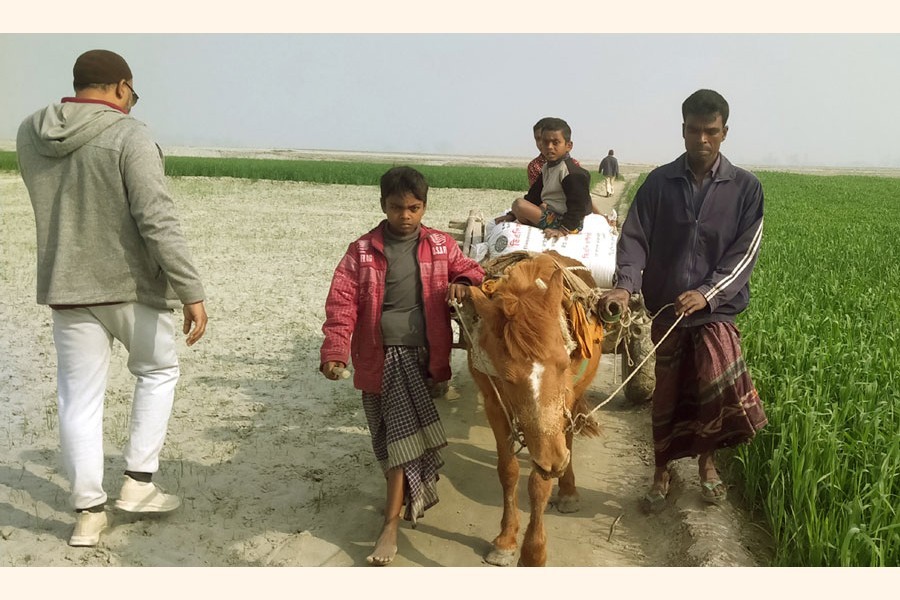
[133,94]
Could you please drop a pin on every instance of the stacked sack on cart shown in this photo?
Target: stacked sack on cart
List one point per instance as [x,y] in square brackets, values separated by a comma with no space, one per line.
[594,246]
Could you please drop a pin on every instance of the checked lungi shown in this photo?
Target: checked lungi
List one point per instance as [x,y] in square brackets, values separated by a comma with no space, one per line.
[406,428]
[704,398]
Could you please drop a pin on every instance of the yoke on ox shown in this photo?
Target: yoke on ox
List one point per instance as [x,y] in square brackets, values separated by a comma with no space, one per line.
[534,344]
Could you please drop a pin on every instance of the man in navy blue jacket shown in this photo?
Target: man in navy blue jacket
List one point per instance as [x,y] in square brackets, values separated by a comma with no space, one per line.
[689,244]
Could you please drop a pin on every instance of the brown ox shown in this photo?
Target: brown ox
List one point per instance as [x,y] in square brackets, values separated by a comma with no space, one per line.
[540,380]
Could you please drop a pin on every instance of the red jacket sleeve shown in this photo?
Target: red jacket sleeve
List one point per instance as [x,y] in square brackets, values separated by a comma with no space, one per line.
[341,308]
[461,268]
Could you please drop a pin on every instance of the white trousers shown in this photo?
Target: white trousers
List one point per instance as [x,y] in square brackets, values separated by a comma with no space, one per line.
[609,184]
[83,338]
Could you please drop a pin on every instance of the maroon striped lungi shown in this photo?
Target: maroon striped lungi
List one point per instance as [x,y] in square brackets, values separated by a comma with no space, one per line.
[704,398]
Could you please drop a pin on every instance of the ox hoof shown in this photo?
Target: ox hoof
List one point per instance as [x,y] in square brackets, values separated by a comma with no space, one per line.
[566,504]
[500,557]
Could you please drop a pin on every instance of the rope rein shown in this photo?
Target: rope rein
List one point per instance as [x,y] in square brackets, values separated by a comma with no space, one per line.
[583,418]
[516,436]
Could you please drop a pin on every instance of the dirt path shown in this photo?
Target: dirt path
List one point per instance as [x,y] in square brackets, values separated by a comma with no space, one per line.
[273,462]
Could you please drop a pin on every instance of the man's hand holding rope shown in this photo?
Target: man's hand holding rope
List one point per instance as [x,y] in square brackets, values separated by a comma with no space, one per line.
[689,302]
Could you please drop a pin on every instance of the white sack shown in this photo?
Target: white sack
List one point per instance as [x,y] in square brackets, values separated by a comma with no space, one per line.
[594,247]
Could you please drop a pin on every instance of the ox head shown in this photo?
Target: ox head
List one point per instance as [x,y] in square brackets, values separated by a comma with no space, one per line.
[522,334]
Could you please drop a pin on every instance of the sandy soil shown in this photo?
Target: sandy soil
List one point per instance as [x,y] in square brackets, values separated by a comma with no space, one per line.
[273,462]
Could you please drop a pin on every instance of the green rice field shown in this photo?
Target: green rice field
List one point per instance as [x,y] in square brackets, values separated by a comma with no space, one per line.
[321,171]
[820,337]
[8,161]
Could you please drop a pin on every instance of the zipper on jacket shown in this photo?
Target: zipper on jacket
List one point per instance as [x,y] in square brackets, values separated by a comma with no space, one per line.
[694,229]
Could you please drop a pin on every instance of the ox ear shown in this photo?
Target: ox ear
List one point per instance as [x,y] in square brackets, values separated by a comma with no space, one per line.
[483,306]
[555,288]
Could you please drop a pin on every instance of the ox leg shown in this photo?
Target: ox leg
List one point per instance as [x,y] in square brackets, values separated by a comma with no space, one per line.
[504,547]
[567,499]
[534,546]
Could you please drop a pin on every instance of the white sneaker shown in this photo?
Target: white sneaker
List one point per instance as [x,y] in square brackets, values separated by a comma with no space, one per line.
[88,527]
[137,496]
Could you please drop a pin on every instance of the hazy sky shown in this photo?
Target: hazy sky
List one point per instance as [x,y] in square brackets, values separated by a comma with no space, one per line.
[796,99]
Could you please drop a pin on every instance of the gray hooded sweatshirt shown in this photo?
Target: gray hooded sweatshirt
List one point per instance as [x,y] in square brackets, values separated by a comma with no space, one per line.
[106,225]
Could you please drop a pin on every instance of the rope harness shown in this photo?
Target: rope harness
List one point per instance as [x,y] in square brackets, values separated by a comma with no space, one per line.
[575,422]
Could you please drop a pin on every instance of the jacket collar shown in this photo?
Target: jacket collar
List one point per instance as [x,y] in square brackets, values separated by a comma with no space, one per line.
[675,169]
[556,162]
[376,235]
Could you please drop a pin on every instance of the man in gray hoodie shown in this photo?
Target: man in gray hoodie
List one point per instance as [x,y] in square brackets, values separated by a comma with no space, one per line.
[112,263]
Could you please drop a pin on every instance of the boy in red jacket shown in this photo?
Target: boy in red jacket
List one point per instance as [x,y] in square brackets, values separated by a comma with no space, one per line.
[388,311]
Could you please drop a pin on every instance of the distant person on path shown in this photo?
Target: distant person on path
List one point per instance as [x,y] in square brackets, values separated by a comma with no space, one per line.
[609,168]
[387,309]
[560,198]
[691,238]
[112,263]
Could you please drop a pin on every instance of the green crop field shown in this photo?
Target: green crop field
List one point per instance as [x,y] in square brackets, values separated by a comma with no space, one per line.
[821,339]
[8,161]
[323,171]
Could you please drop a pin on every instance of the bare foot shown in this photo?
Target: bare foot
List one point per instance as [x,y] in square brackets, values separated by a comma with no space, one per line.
[386,546]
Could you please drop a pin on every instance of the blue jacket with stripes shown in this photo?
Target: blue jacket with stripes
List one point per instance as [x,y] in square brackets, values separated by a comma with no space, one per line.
[665,249]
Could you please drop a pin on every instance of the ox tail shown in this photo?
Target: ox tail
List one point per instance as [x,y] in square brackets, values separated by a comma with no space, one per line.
[585,423]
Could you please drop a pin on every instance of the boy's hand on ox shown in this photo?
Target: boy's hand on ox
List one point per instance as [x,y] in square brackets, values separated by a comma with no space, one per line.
[457,291]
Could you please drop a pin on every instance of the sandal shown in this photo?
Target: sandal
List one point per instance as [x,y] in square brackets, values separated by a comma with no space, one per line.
[654,501]
[713,491]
